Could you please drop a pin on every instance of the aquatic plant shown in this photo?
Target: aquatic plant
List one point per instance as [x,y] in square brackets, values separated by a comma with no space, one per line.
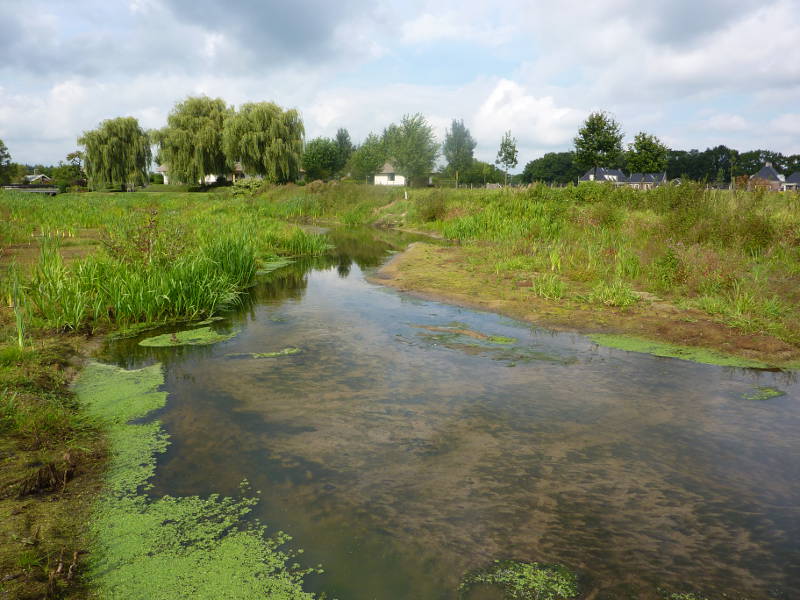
[524,581]
[202,336]
[694,354]
[763,393]
[170,547]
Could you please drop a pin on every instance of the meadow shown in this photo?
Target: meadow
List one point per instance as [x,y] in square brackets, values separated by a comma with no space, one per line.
[733,256]
[77,266]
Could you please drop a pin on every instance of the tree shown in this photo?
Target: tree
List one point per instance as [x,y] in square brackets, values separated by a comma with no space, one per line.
[599,142]
[191,143]
[367,159]
[647,154]
[117,153]
[553,167]
[458,148]
[481,173]
[412,147]
[320,158]
[507,154]
[344,148]
[5,164]
[266,139]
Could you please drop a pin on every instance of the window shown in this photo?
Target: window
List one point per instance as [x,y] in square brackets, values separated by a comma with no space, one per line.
[391,176]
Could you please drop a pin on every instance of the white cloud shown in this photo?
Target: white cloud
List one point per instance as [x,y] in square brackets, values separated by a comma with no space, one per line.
[537,122]
[724,122]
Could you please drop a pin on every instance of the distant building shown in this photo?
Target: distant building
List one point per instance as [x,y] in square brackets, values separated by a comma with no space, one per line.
[237,173]
[768,178]
[37,179]
[614,176]
[646,181]
[388,176]
[792,183]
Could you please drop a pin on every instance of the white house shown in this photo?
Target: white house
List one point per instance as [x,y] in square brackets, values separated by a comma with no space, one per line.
[388,176]
[237,173]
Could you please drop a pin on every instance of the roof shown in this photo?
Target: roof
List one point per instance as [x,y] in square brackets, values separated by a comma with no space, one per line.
[794,178]
[386,169]
[36,176]
[604,174]
[648,177]
[768,173]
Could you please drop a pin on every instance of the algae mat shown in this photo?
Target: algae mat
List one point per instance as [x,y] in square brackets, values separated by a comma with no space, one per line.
[170,547]
[202,336]
[699,355]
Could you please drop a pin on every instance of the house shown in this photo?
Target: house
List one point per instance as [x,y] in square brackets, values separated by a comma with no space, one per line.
[647,181]
[164,173]
[614,176]
[768,178]
[38,179]
[388,176]
[236,173]
[792,183]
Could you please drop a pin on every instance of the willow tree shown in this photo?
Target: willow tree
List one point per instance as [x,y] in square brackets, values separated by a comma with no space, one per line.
[116,154]
[191,143]
[266,139]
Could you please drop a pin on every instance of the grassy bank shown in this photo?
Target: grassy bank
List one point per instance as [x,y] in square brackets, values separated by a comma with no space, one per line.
[73,267]
[728,259]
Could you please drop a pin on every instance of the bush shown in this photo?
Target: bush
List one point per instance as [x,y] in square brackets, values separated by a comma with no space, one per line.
[430,207]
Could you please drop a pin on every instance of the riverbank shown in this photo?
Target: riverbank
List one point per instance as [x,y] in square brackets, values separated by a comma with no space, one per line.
[458,275]
[75,268]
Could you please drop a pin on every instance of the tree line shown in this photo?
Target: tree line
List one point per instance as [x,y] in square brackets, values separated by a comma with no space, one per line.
[599,144]
[204,136]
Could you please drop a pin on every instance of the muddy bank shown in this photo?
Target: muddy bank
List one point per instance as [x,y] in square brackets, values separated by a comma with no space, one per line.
[443,273]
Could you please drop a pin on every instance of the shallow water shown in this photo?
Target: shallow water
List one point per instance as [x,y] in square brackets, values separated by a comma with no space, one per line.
[400,451]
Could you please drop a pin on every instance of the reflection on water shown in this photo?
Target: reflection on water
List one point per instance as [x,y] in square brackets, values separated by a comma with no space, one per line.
[399,459]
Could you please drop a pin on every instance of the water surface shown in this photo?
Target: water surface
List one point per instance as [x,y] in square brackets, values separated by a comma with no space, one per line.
[400,451]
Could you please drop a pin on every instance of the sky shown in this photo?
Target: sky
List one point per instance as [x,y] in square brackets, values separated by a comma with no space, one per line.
[696,73]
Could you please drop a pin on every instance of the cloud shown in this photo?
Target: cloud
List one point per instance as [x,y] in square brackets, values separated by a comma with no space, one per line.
[537,122]
[724,122]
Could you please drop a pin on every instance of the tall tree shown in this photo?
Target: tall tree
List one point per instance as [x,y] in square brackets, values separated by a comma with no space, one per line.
[412,147]
[344,148]
[266,139]
[368,158]
[5,164]
[458,148]
[553,167]
[507,154]
[647,154]
[320,158]
[599,142]
[116,154]
[191,143]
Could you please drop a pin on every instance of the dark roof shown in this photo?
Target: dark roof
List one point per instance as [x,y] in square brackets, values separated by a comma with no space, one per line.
[604,174]
[794,178]
[768,173]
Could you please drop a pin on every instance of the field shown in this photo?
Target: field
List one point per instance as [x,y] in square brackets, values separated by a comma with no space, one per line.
[682,264]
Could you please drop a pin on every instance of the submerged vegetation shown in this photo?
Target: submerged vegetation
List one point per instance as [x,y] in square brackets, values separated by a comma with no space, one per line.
[525,581]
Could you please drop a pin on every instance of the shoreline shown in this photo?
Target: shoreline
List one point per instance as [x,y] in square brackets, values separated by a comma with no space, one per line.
[440,274]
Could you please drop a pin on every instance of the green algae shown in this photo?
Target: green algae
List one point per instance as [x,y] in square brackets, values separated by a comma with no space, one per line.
[170,547]
[524,581]
[693,354]
[202,336]
[763,393]
[276,354]
[499,339]
[209,321]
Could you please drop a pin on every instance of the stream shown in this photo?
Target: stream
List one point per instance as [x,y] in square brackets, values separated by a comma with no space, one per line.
[410,441]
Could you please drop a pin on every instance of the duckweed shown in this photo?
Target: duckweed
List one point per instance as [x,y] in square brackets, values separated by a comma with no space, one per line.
[170,547]
[202,336]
